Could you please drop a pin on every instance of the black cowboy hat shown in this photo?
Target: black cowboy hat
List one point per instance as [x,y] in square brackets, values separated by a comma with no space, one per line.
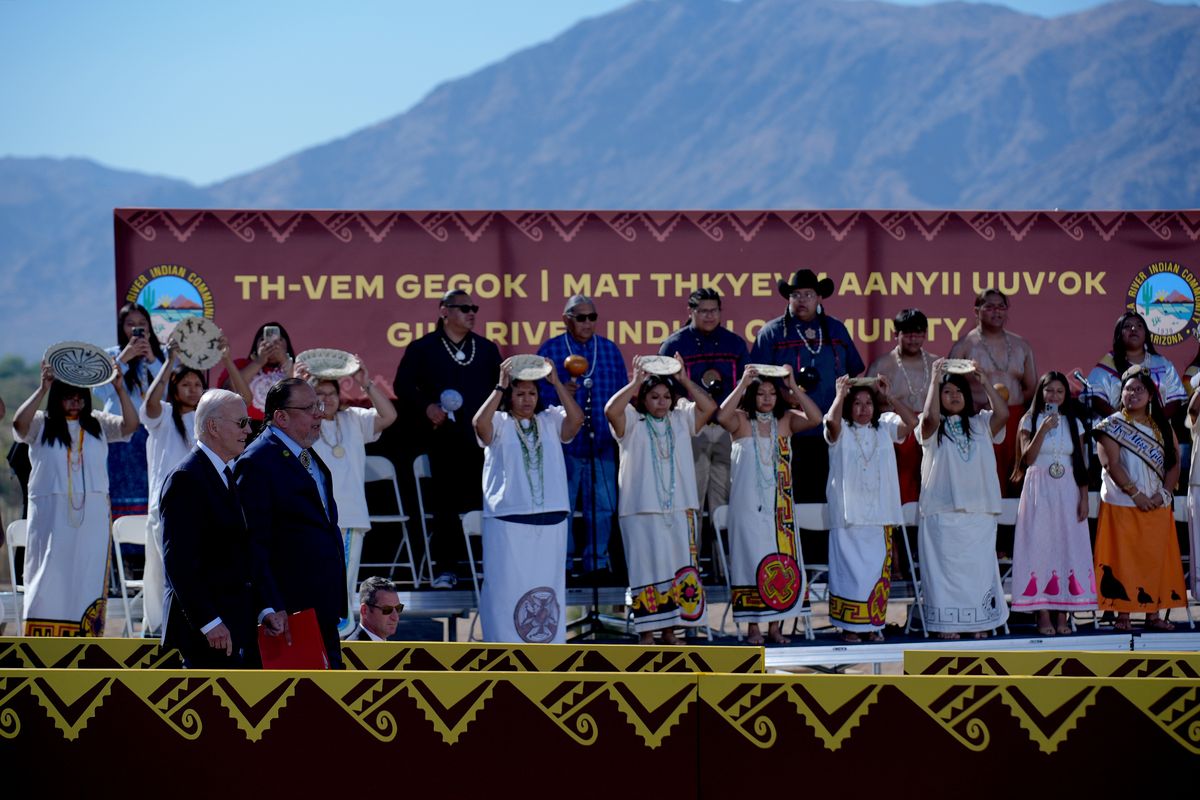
[806,279]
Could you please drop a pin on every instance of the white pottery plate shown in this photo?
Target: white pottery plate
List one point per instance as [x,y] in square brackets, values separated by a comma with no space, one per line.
[80,364]
[329,362]
[958,366]
[529,368]
[199,341]
[770,370]
[660,365]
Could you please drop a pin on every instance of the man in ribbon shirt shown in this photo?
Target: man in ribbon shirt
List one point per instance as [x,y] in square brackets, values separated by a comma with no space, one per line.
[287,494]
[213,582]
[604,376]
[818,349]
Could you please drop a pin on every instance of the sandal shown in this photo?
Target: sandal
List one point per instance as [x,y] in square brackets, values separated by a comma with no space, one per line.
[1159,624]
[949,637]
[850,637]
[875,636]
[1123,625]
[1046,630]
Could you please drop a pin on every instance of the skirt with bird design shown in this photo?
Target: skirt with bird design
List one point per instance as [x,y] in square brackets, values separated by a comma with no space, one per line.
[1138,565]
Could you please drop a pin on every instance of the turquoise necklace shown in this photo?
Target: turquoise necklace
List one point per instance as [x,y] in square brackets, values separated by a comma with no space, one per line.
[531,454]
[954,427]
[662,451]
[765,458]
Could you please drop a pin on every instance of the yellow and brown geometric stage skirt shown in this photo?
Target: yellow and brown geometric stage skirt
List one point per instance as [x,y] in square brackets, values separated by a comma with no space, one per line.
[588,734]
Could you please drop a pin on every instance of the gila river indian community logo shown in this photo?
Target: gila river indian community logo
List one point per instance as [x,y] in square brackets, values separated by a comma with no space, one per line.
[170,293]
[1165,293]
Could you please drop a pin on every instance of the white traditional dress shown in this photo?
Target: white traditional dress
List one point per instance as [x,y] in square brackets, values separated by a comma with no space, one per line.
[525,516]
[960,503]
[342,445]
[165,448]
[863,495]
[763,568]
[658,509]
[1052,549]
[66,561]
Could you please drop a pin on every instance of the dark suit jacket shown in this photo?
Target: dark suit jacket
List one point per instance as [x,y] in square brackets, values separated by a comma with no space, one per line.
[361,635]
[292,533]
[209,564]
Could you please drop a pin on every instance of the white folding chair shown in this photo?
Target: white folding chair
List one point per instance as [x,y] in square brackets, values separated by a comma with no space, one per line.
[16,536]
[421,471]
[720,523]
[380,468]
[912,514]
[810,517]
[1181,515]
[472,525]
[128,530]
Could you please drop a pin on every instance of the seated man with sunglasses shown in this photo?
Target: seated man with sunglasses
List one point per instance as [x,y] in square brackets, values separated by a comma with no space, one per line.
[450,360]
[603,376]
[379,608]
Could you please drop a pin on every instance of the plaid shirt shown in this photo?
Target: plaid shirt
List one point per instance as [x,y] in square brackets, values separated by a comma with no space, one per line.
[606,368]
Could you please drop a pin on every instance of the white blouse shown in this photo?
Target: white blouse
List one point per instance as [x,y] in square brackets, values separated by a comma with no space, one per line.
[351,429]
[49,461]
[646,478]
[959,474]
[165,448]
[510,486]
[863,486]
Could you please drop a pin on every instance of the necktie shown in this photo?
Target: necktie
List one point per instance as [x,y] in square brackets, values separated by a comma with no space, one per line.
[233,492]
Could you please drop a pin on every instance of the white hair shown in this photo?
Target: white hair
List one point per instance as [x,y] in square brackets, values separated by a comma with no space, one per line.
[209,406]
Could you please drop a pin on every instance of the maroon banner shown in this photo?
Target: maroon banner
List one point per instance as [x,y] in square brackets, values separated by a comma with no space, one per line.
[369,281]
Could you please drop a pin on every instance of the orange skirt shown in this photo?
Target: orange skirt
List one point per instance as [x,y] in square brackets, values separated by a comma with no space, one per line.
[1138,566]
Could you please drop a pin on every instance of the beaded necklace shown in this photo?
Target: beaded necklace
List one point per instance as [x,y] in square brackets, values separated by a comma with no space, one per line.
[1007,352]
[965,444]
[455,351]
[531,454]
[1149,422]
[765,458]
[662,451]
[336,444]
[75,464]
[916,398]
[806,334]
[866,460]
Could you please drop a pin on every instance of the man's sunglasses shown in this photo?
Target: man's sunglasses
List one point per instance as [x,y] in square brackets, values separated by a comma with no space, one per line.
[387,610]
[592,317]
[466,308]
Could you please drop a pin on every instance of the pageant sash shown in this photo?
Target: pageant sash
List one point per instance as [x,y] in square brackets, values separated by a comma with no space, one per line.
[1129,436]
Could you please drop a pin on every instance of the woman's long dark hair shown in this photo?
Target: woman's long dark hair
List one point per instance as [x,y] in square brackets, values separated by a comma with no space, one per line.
[749,402]
[178,374]
[1159,417]
[55,428]
[848,405]
[968,406]
[1120,359]
[1069,413]
[283,334]
[132,376]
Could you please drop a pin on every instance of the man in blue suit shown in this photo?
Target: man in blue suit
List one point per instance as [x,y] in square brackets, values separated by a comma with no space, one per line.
[213,591]
[287,494]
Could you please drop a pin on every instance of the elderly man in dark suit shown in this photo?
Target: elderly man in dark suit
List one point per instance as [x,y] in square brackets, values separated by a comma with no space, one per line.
[212,596]
[379,609]
[287,494]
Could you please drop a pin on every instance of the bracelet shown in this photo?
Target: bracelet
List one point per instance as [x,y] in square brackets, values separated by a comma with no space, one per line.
[498,388]
[1129,488]
[1166,497]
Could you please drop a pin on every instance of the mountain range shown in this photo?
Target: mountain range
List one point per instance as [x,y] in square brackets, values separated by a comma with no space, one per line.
[698,104]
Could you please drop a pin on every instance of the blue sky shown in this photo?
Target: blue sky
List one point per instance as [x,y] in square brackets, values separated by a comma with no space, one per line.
[207,91]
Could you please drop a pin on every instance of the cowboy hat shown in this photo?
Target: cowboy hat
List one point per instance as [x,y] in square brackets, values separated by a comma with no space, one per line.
[806,279]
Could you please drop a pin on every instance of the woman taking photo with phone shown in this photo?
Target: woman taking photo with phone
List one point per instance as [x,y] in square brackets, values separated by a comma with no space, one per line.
[271,360]
[140,357]
[1052,551]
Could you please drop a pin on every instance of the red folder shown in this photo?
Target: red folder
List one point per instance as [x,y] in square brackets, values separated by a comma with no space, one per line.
[307,650]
